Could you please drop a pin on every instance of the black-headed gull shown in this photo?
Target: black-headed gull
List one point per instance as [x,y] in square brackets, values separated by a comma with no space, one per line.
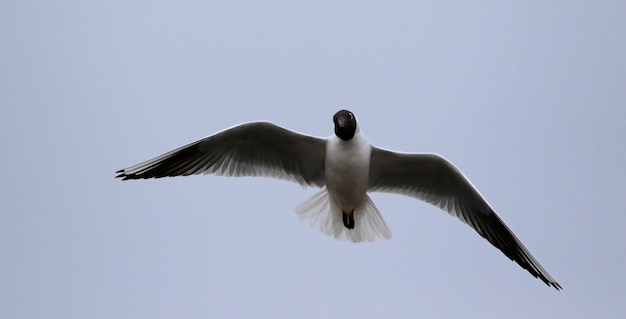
[345,166]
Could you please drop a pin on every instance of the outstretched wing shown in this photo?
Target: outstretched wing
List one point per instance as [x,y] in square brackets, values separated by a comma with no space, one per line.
[251,149]
[434,179]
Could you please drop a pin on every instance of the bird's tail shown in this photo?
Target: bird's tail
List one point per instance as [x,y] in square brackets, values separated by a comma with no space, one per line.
[324,214]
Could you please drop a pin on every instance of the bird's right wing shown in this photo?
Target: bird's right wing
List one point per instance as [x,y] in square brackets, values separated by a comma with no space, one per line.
[251,149]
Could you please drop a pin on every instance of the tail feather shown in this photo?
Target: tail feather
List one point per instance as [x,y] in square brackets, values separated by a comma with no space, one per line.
[324,214]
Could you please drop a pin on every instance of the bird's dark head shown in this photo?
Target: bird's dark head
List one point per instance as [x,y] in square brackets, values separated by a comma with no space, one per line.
[345,124]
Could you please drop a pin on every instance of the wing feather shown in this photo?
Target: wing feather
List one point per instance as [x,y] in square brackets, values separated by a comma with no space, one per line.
[432,178]
[251,149]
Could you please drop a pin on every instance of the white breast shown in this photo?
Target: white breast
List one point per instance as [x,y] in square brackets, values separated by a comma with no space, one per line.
[347,170]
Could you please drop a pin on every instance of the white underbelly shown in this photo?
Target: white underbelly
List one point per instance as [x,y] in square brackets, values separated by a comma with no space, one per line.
[347,172]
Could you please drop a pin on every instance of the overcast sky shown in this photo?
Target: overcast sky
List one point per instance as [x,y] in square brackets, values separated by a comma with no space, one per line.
[528,98]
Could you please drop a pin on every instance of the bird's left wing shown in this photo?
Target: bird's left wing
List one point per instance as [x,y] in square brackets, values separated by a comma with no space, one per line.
[251,149]
[434,179]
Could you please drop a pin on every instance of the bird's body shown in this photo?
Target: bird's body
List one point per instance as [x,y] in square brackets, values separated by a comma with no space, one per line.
[347,171]
[346,167]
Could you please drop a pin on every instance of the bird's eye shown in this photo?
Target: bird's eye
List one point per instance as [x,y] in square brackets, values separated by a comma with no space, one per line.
[350,116]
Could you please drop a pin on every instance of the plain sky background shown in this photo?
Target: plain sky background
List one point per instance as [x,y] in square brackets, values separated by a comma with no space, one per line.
[528,98]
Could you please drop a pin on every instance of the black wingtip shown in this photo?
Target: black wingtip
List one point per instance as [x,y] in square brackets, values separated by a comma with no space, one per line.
[124,176]
[121,174]
[549,282]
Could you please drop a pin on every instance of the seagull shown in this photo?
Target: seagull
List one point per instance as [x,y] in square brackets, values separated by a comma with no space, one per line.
[345,166]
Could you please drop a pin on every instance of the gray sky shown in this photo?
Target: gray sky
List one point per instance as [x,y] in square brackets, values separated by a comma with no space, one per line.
[527,98]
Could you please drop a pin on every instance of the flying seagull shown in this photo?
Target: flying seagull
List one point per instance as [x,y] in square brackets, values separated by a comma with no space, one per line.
[346,167]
